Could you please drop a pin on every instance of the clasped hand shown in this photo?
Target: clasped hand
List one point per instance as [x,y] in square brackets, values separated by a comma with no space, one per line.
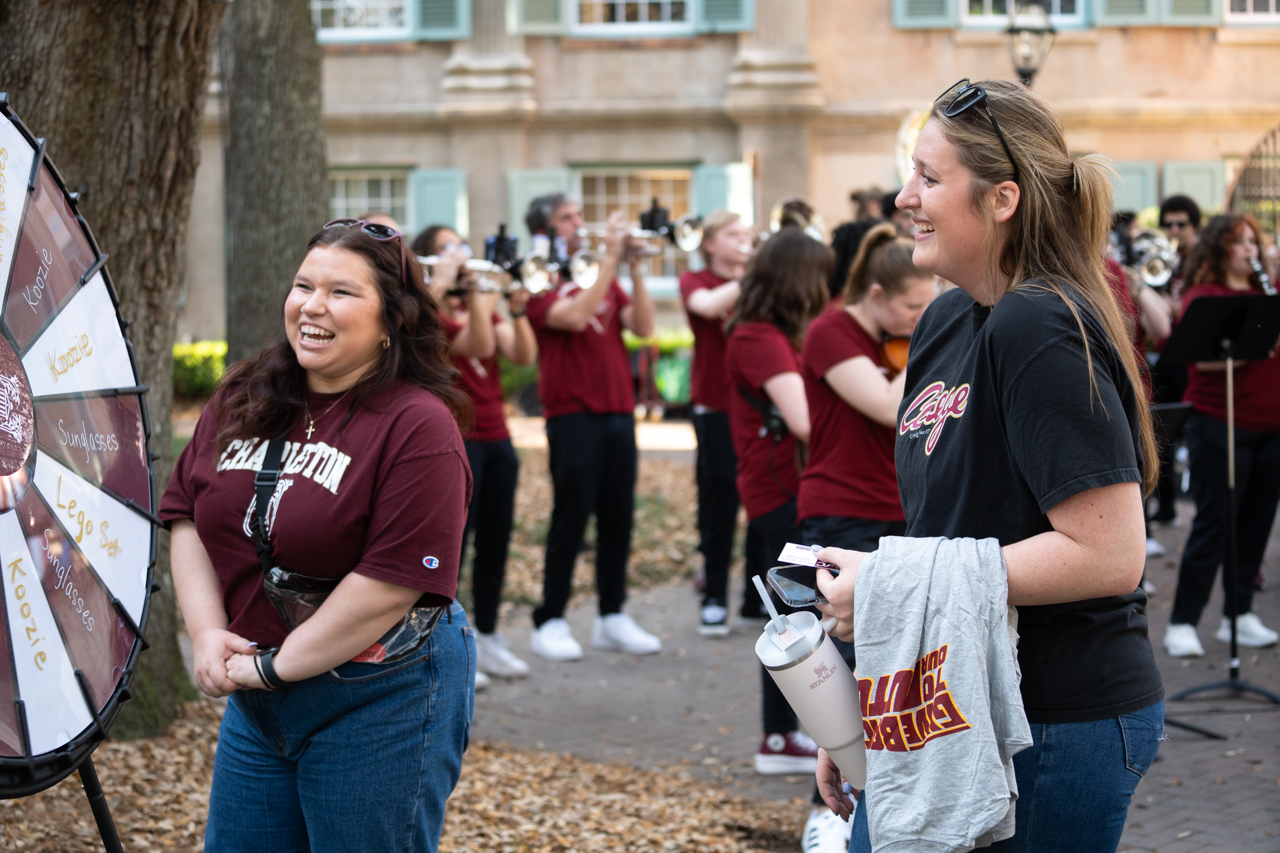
[220,659]
[839,590]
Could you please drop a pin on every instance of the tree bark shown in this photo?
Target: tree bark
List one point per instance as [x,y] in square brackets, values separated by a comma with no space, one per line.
[274,150]
[118,89]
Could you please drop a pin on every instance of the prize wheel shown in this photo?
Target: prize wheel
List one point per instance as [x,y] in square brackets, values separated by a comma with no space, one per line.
[77,493]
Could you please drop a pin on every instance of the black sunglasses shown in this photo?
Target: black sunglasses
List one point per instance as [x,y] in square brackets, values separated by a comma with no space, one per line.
[379,232]
[966,96]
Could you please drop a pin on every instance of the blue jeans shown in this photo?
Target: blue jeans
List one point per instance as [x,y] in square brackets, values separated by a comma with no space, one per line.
[364,760]
[1074,784]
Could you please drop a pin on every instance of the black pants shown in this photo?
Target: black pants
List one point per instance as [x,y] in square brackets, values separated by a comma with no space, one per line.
[717,472]
[593,471]
[495,468]
[1257,493]
[1168,384]
[853,534]
[766,537]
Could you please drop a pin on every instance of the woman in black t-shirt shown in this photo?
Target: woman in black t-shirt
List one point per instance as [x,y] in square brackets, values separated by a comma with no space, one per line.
[1020,421]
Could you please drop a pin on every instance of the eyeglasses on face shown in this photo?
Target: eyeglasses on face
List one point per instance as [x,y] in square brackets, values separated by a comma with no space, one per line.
[1169,226]
[377,231]
[965,96]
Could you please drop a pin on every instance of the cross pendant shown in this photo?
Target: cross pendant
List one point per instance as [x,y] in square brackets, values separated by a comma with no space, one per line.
[311,427]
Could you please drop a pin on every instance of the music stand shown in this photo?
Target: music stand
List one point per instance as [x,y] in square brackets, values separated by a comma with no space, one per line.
[1226,328]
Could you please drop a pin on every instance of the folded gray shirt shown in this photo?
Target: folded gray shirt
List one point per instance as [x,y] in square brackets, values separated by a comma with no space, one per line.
[937,647]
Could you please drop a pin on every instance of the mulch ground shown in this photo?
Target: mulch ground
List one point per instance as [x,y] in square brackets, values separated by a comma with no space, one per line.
[541,803]
[158,789]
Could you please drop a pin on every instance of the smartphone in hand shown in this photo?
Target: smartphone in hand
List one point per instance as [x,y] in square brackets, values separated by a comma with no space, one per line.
[797,586]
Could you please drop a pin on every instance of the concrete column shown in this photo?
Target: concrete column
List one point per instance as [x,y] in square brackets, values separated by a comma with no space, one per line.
[488,98]
[772,95]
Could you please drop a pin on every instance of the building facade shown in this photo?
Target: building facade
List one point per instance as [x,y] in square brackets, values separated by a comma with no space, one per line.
[461,111]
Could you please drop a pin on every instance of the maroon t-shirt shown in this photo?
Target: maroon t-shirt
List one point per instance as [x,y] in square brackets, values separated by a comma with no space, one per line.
[385,496]
[709,383]
[850,472]
[482,380]
[1132,316]
[587,371]
[1257,383]
[767,476]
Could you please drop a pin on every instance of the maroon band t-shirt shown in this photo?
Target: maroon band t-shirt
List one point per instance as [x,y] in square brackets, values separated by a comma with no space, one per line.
[385,496]
[767,476]
[587,371]
[850,472]
[482,380]
[1257,383]
[709,383]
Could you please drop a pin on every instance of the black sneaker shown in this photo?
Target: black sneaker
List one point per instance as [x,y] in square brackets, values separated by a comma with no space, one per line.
[715,620]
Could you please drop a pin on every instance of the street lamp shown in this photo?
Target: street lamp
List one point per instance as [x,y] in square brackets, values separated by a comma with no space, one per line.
[1029,36]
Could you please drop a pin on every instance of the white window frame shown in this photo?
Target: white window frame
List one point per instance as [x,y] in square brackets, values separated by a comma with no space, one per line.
[625,29]
[341,34]
[1258,19]
[999,22]
[366,203]
[659,286]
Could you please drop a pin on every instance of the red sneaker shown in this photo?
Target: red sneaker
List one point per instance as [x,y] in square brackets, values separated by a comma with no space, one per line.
[780,754]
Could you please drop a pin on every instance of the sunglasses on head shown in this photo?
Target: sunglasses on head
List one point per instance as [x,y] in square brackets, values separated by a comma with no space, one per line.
[379,232]
[967,95]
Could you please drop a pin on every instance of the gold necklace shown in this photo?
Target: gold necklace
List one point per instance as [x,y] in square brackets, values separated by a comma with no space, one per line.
[311,422]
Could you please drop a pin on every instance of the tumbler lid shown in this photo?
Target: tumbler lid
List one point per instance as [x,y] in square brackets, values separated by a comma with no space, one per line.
[773,656]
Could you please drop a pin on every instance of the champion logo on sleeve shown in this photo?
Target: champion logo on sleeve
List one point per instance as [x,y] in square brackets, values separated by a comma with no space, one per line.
[931,408]
[431,562]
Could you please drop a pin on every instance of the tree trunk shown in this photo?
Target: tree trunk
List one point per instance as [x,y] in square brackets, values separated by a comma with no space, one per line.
[118,88]
[276,192]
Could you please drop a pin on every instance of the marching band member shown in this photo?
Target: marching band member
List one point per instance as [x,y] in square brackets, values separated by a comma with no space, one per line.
[586,389]
[1219,266]
[495,468]
[849,490]
[708,296]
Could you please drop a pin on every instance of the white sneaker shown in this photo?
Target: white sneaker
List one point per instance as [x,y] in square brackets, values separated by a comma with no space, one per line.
[619,632]
[1154,548]
[1249,632]
[554,641]
[825,832]
[494,657]
[1180,641]
[482,681]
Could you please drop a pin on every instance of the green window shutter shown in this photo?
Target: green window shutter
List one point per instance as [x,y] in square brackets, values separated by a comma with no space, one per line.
[1135,185]
[539,17]
[724,16]
[1203,180]
[725,187]
[1191,13]
[523,186]
[926,14]
[1126,13]
[441,20]
[438,197]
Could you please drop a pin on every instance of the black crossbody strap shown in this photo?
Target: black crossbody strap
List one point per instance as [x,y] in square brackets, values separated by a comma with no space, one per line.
[774,424]
[264,486]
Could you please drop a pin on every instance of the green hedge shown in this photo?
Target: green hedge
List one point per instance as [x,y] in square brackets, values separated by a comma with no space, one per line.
[197,367]
[669,340]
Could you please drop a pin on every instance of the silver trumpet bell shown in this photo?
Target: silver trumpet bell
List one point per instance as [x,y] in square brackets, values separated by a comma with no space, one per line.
[1157,257]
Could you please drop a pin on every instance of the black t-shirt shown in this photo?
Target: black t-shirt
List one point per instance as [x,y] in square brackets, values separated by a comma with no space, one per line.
[997,426]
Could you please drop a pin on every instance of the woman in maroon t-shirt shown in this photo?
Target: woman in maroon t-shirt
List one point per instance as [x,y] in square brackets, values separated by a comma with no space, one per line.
[1219,267]
[708,297]
[783,290]
[849,491]
[321,739]
[495,467]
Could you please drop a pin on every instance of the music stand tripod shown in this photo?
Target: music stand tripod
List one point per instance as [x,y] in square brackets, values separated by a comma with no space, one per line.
[1218,328]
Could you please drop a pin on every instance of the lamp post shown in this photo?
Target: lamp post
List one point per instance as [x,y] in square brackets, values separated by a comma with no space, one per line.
[1029,37]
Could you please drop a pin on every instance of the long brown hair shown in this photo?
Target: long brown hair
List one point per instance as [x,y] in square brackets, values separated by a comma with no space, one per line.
[785,284]
[884,258]
[1207,263]
[1061,226]
[264,395]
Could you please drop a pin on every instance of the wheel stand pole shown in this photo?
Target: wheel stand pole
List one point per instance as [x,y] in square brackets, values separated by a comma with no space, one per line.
[98,802]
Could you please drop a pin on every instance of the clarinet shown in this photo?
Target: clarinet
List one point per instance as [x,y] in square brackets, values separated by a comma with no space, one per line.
[1263,278]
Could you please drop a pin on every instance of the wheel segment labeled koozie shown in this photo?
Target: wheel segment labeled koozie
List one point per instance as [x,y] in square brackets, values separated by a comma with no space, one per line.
[77,493]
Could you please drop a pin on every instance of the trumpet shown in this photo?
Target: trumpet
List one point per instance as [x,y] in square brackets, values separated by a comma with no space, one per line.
[648,243]
[798,213]
[486,277]
[1155,257]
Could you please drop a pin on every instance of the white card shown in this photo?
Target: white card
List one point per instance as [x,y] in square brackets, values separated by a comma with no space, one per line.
[800,555]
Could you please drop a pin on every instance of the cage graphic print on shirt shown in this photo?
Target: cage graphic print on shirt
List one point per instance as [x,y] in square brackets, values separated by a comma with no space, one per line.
[931,408]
